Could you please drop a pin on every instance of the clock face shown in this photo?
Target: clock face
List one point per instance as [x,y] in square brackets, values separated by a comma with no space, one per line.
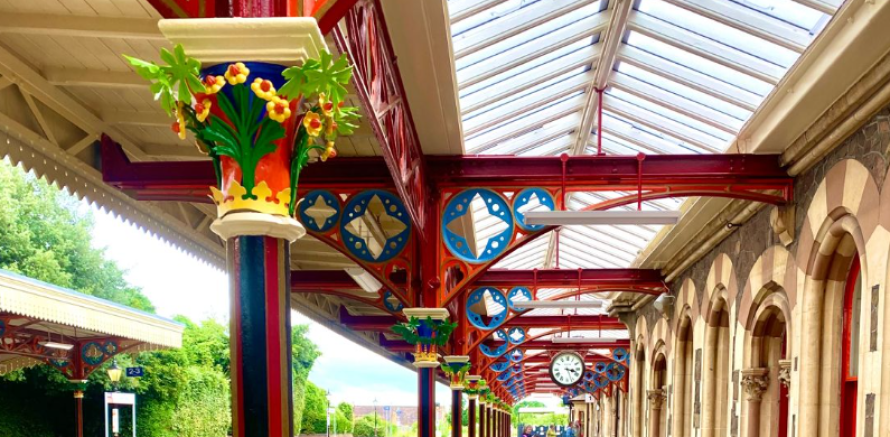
[567,368]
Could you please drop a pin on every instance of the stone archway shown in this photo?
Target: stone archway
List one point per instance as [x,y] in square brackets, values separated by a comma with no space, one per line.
[682,394]
[716,367]
[657,396]
[766,376]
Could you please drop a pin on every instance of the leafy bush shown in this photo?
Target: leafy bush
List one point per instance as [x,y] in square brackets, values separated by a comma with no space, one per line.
[364,427]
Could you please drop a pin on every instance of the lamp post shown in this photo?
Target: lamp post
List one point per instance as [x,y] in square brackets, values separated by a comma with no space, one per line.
[328,410]
[375,417]
[114,374]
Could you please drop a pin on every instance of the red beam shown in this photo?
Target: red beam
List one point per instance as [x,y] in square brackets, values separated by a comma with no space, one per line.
[579,322]
[587,171]
[396,345]
[366,323]
[188,181]
[580,278]
[548,345]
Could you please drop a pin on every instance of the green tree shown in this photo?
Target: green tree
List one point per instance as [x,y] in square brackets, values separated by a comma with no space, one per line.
[45,235]
[314,411]
[364,427]
[304,353]
[346,409]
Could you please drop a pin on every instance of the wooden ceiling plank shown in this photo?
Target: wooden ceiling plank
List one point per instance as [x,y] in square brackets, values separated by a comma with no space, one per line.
[68,25]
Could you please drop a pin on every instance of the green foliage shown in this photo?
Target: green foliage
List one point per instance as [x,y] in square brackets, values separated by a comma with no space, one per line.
[346,409]
[364,427]
[45,235]
[324,75]
[175,81]
[441,330]
[314,411]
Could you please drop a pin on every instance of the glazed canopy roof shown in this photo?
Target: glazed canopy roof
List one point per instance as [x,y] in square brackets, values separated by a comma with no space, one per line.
[678,76]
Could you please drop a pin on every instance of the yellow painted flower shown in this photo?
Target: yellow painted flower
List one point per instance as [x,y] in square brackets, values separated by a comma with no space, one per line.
[312,123]
[179,128]
[329,151]
[331,129]
[263,89]
[202,109]
[326,106]
[237,73]
[278,109]
[213,84]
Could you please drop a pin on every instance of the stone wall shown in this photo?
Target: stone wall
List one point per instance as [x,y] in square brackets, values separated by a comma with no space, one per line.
[843,194]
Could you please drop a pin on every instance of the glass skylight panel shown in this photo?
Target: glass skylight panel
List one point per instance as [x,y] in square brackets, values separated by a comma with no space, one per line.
[632,86]
[498,36]
[685,91]
[582,33]
[697,63]
[557,59]
[533,135]
[665,119]
[555,147]
[719,32]
[529,122]
[790,12]
[645,138]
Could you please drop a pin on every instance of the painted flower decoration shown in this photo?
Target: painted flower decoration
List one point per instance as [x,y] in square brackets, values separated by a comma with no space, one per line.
[312,123]
[202,109]
[213,84]
[237,73]
[278,109]
[263,89]
[329,151]
[179,127]
[327,107]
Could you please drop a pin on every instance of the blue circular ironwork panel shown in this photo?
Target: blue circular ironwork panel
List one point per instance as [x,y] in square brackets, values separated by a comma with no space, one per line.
[619,354]
[589,375]
[516,335]
[393,209]
[614,371]
[600,367]
[477,298]
[459,206]
[516,355]
[325,211]
[515,295]
[493,353]
[526,200]
[500,367]
[388,297]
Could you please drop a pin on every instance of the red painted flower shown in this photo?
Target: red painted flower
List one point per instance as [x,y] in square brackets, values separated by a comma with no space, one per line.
[329,151]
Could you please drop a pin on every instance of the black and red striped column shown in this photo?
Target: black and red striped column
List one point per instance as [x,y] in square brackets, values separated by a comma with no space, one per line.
[483,418]
[471,417]
[259,278]
[456,413]
[426,402]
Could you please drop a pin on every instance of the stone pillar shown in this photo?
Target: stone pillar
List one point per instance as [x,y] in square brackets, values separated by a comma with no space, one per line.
[755,382]
[656,403]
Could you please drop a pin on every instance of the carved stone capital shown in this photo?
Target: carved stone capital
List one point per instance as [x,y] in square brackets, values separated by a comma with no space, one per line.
[755,382]
[785,373]
[656,398]
[781,219]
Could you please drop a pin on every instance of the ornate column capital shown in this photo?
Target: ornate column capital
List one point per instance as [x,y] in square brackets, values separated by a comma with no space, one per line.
[785,373]
[755,382]
[656,398]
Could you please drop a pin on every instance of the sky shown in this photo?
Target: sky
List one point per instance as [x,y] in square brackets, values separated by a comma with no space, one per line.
[179,284]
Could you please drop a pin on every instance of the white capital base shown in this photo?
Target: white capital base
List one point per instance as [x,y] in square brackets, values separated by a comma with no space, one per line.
[426,364]
[239,224]
[282,40]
